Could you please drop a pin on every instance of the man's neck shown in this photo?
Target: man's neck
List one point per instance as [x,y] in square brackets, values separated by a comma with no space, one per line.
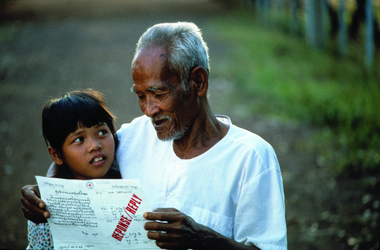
[203,135]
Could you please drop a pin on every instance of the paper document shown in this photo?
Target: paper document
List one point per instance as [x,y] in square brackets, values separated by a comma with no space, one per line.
[96,214]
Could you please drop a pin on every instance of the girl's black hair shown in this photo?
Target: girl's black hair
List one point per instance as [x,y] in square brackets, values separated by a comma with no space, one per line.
[80,108]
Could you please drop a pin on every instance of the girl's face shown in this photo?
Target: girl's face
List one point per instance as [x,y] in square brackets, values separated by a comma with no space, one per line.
[89,152]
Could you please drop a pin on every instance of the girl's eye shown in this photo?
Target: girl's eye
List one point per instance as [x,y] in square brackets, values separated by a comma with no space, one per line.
[79,139]
[102,132]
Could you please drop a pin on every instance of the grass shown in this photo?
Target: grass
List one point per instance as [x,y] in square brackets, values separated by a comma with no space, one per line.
[290,80]
[6,32]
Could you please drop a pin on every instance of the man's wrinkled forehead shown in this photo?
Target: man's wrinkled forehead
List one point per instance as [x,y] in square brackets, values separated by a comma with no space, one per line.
[152,88]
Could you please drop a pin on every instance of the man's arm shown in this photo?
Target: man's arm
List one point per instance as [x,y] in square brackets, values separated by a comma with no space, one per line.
[179,231]
[33,207]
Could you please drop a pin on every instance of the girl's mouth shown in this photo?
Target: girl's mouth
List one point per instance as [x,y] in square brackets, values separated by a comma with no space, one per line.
[98,159]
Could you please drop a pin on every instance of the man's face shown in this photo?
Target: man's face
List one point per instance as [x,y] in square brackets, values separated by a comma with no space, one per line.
[161,96]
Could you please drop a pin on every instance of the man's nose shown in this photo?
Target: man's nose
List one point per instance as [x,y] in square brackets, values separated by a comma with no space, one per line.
[151,107]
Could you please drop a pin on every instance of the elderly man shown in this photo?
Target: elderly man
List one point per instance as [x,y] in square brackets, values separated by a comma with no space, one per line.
[212,185]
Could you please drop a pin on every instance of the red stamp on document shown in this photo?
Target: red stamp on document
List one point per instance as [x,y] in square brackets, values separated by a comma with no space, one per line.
[126,218]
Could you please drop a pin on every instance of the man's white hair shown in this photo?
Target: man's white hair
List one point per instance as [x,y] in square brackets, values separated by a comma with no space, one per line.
[184,46]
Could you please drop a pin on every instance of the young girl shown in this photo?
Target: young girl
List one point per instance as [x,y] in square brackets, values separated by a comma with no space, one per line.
[80,136]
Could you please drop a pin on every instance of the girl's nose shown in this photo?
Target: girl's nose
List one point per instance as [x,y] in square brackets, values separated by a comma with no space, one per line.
[95,145]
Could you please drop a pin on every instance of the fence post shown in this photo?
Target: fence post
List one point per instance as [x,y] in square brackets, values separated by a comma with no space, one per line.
[342,28]
[295,24]
[262,10]
[315,32]
[369,34]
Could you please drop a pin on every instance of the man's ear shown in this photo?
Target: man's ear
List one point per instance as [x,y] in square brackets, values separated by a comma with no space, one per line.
[55,156]
[199,78]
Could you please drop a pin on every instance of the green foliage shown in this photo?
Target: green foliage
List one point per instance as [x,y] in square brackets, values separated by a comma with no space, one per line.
[7,31]
[288,79]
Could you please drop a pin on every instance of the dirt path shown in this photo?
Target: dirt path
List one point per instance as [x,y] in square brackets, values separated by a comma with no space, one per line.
[55,46]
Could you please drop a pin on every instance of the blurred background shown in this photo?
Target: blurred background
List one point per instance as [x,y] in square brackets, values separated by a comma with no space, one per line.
[303,74]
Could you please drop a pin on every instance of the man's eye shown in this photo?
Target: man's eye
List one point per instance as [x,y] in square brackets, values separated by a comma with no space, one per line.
[159,95]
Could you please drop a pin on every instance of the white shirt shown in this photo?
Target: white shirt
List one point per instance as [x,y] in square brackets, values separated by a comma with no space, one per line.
[235,187]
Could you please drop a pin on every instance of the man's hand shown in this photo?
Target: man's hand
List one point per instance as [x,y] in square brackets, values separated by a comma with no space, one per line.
[32,206]
[175,229]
